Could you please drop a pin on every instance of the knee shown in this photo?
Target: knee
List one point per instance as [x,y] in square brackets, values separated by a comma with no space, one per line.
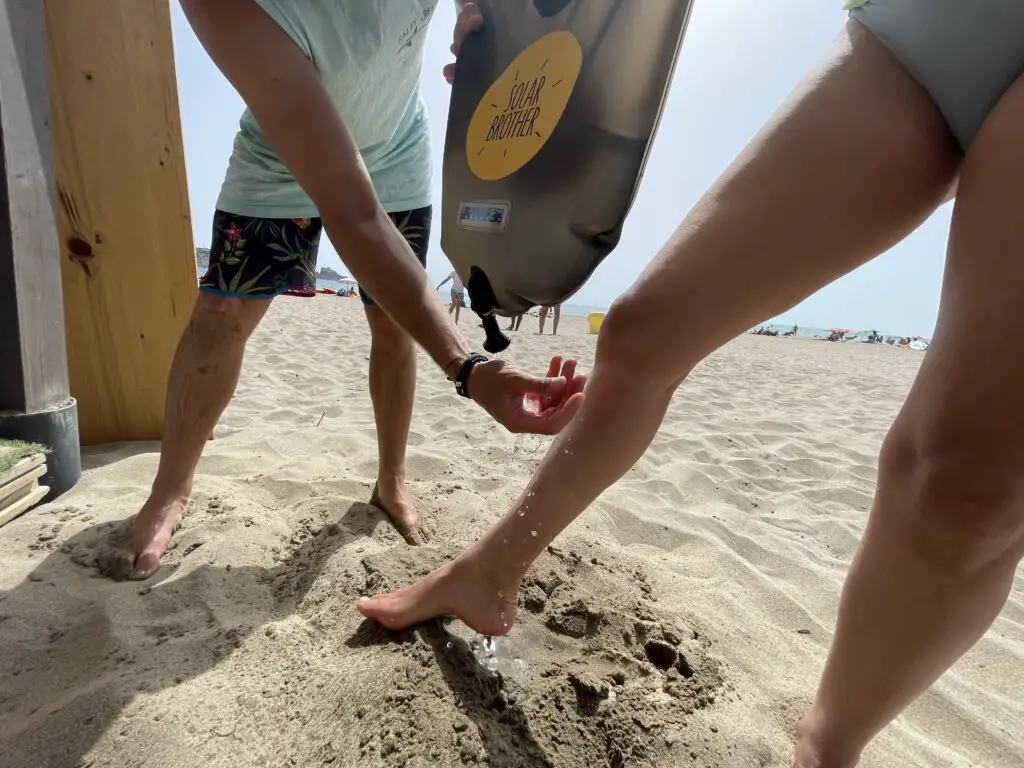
[634,341]
[387,337]
[959,491]
[225,318]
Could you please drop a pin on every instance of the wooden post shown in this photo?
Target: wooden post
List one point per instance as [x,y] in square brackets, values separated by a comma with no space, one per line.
[34,402]
[123,215]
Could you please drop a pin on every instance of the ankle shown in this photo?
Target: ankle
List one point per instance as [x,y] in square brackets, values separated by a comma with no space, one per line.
[390,482]
[167,493]
[496,569]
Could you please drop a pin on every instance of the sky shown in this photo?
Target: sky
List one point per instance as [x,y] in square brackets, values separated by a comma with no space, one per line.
[740,60]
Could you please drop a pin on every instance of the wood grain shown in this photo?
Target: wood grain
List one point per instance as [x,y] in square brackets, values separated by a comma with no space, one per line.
[128,261]
[33,367]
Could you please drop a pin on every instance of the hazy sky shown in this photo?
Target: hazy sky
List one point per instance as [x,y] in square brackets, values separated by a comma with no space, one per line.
[740,60]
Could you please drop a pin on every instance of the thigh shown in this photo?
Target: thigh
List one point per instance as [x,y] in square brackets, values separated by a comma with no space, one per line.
[966,402]
[258,258]
[414,226]
[855,160]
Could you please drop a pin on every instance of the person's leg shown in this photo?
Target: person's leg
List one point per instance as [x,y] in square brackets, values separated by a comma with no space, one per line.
[203,378]
[392,392]
[856,159]
[458,308]
[540,323]
[946,531]
[393,389]
[556,314]
[206,365]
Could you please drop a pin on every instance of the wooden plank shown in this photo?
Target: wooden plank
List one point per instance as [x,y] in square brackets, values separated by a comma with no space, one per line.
[123,213]
[23,505]
[21,468]
[13,491]
[32,346]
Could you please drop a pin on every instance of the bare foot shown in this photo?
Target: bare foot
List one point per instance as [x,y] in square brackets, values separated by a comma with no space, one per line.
[810,751]
[150,535]
[461,588]
[398,504]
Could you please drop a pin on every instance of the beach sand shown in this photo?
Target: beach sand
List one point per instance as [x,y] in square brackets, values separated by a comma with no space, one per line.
[682,620]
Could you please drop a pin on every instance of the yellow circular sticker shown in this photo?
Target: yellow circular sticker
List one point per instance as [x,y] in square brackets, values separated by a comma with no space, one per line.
[521,109]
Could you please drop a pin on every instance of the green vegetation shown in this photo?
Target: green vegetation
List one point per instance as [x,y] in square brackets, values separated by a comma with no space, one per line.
[13,451]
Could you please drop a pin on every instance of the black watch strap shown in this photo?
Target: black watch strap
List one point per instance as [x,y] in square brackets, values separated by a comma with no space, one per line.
[462,377]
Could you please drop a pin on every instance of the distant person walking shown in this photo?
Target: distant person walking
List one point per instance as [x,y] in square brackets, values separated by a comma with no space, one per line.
[458,294]
[556,314]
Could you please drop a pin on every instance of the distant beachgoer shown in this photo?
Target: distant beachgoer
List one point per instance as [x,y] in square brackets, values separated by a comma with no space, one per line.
[556,314]
[335,127]
[515,322]
[916,101]
[458,293]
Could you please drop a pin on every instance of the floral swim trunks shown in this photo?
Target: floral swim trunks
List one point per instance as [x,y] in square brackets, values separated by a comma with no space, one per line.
[256,258]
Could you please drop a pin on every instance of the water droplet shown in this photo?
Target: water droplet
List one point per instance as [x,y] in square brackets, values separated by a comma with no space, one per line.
[500,595]
[521,513]
[450,645]
[533,533]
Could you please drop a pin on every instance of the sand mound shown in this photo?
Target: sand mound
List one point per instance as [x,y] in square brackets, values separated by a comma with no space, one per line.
[611,680]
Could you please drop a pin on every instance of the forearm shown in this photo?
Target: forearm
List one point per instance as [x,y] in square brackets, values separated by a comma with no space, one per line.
[381,260]
[619,419]
[278,82]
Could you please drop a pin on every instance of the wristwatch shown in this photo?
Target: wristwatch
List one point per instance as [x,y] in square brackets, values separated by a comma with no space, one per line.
[462,377]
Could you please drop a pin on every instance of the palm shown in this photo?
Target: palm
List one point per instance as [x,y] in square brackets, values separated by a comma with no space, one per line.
[524,403]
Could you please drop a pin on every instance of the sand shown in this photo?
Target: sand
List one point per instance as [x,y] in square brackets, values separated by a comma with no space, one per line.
[683,620]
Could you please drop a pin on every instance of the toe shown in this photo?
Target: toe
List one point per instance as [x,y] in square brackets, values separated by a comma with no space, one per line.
[398,610]
[144,566]
[381,608]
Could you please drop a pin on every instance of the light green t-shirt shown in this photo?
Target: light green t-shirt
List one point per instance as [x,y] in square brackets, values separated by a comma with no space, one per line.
[369,54]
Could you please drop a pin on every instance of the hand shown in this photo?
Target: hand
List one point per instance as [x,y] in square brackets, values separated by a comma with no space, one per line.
[524,403]
[469,21]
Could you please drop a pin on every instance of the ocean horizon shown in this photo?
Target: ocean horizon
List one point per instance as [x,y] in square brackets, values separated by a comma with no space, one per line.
[576,309]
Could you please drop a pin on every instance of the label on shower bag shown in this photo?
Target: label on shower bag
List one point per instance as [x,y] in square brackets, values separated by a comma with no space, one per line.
[522,108]
[485,215]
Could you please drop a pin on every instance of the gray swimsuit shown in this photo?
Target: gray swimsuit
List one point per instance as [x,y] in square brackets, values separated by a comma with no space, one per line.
[965,53]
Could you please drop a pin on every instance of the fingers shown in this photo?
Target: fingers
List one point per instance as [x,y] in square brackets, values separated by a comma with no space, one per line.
[554,366]
[449,73]
[561,417]
[558,369]
[551,421]
[469,21]
[543,389]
